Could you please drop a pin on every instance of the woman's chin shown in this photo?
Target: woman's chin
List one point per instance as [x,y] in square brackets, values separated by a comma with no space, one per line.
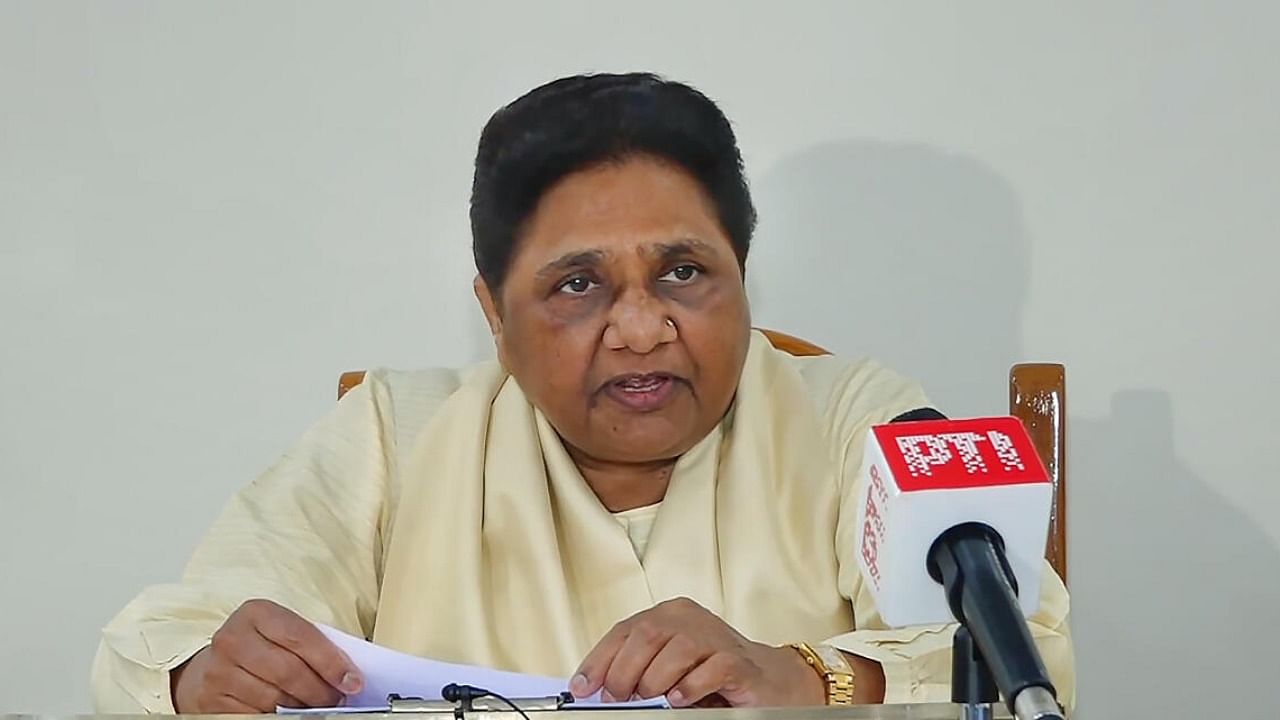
[644,448]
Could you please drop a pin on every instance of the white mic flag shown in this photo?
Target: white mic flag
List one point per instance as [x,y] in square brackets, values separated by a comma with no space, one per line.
[923,478]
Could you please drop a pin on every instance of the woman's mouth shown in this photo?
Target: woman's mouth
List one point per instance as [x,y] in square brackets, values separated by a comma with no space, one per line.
[642,392]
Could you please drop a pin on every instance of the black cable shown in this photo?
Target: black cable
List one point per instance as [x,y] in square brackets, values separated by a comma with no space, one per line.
[464,694]
[504,699]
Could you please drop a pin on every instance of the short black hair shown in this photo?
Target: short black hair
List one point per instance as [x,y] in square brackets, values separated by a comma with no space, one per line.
[581,121]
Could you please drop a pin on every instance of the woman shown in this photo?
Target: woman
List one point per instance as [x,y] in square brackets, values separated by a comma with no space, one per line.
[641,493]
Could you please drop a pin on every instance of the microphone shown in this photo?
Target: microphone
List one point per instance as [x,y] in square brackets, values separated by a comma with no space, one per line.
[464,695]
[453,692]
[964,504]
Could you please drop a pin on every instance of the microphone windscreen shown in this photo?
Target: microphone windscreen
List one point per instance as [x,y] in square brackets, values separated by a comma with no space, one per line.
[919,415]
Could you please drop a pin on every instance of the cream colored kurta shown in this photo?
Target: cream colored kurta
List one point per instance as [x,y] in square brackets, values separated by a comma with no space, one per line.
[437,513]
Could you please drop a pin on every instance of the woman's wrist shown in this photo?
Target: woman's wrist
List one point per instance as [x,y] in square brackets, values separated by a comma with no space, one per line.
[810,688]
[868,680]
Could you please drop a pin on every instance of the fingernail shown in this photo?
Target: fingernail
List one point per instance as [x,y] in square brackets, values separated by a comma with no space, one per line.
[606,696]
[675,698]
[350,684]
[578,684]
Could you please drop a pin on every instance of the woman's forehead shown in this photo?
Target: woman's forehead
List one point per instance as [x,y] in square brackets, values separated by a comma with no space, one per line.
[640,208]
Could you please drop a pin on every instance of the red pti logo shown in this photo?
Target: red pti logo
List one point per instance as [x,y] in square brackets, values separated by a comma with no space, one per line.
[938,454]
[873,525]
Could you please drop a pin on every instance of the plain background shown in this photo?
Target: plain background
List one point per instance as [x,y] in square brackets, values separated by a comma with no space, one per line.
[209,210]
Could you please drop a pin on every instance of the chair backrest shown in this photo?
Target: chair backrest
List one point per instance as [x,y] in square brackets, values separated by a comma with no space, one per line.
[1037,396]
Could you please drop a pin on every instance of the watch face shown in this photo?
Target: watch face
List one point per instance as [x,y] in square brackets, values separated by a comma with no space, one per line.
[833,658]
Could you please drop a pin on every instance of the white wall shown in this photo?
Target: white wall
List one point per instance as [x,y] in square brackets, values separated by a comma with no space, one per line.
[208,210]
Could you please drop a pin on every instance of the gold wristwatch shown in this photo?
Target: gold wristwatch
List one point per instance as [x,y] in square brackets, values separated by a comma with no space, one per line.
[834,669]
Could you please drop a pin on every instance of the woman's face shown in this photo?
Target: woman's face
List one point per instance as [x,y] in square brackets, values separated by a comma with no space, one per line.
[623,315]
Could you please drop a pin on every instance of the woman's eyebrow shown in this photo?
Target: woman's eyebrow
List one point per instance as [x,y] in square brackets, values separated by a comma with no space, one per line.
[669,250]
[681,248]
[570,261]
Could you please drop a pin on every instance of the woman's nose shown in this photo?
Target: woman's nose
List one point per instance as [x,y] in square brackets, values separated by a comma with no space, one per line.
[638,322]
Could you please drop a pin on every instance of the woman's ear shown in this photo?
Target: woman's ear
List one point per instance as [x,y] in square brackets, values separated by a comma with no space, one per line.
[489,304]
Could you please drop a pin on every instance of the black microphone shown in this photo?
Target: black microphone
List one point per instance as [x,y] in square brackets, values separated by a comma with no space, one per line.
[464,694]
[970,563]
[919,415]
[453,692]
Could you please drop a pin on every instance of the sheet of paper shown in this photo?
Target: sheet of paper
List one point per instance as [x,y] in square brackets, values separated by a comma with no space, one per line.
[387,671]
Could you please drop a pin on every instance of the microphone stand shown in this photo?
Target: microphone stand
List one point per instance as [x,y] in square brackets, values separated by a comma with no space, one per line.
[993,646]
[972,686]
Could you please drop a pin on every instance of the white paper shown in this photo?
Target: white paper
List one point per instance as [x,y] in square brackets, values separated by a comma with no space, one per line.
[386,671]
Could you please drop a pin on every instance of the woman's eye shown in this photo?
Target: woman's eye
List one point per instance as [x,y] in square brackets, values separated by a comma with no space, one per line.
[576,286]
[682,274]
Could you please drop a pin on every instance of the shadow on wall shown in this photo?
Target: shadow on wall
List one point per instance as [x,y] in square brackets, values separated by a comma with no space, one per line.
[915,256]
[920,258]
[1172,587]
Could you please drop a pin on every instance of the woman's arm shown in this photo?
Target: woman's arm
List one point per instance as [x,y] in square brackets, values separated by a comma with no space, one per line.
[306,535]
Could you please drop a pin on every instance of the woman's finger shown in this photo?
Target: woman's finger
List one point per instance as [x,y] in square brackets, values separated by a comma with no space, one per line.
[727,674]
[590,676]
[642,644]
[227,704]
[284,670]
[679,656]
[291,631]
[249,689]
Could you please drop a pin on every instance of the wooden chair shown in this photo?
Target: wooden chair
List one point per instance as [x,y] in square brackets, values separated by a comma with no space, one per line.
[1037,396]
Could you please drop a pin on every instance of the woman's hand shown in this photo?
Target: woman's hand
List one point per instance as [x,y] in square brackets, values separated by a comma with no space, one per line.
[684,651]
[264,655]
